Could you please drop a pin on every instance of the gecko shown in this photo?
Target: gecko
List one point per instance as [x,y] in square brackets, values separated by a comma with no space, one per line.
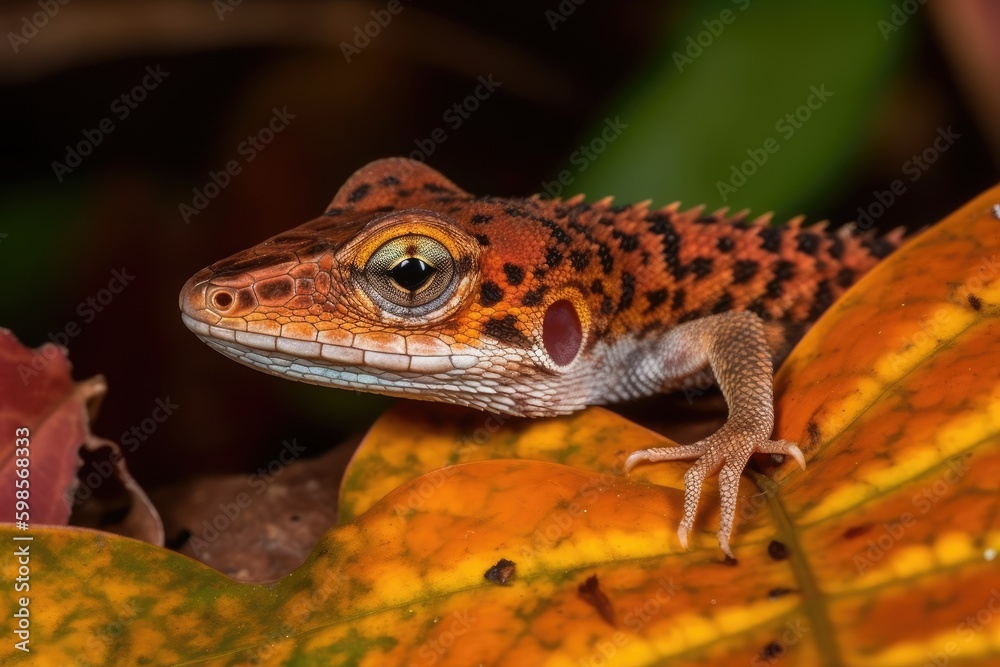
[409,286]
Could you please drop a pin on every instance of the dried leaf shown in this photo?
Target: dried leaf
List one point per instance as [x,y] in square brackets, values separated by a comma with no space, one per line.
[38,394]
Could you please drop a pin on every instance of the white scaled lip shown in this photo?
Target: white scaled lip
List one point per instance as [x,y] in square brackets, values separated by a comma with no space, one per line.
[275,353]
[197,326]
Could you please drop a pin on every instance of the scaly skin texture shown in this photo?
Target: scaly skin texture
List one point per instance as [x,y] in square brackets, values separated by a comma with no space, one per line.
[409,286]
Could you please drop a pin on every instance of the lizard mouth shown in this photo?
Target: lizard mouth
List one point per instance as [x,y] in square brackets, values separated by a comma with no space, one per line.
[224,314]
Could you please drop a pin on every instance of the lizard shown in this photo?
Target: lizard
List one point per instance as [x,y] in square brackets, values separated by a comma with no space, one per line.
[409,286]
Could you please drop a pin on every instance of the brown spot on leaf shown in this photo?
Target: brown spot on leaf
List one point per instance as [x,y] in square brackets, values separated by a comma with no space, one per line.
[812,428]
[591,593]
[501,572]
[777,550]
[776,593]
[857,531]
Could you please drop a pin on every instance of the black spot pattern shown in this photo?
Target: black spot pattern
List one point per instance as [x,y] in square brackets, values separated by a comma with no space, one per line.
[505,330]
[553,257]
[701,266]
[783,272]
[534,297]
[557,232]
[490,294]
[359,193]
[597,287]
[836,249]
[724,304]
[390,180]
[822,298]
[845,277]
[628,291]
[677,304]
[627,242]
[656,299]
[744,270]
[724,244]
[607,260]
[607,306]
[659,223]
[808,242]
[479,219]
[514,273]
[975,302]
[579,260]
[483,239]
[770,239]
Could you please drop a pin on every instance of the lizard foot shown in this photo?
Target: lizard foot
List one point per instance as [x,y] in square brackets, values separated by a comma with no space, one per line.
[729,449]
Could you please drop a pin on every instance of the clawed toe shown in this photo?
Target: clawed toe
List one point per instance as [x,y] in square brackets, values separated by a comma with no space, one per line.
[730,450]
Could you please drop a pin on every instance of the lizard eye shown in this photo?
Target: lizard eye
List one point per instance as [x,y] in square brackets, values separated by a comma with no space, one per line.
[409,272]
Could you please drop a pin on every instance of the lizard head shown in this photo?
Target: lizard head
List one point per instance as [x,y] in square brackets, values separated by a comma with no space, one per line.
[407,286]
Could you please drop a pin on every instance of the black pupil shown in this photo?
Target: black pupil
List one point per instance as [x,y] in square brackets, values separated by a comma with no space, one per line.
[411,273]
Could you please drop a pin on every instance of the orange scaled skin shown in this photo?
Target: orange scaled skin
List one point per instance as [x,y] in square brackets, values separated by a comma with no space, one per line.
[533,307]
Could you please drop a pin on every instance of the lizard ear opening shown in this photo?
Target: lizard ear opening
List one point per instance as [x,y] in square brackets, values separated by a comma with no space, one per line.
[378,184]
[562,333]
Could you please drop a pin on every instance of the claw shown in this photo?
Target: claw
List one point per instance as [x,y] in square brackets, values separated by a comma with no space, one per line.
[732,453]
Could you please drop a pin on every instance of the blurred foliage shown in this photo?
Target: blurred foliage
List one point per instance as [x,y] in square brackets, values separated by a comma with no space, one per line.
[734,75]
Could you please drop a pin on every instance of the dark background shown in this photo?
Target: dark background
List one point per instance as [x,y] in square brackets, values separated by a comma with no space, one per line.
[562,75]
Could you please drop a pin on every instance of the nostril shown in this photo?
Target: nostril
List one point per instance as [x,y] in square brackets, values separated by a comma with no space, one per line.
[222,300]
